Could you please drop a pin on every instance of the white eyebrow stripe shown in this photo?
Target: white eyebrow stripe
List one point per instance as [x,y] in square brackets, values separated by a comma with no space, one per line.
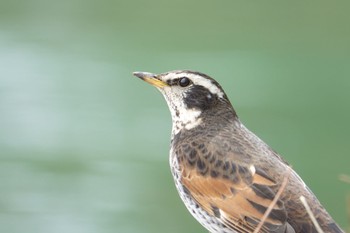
[199,80]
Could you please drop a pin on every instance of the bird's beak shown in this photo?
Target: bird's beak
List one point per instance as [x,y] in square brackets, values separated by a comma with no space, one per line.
[151,79]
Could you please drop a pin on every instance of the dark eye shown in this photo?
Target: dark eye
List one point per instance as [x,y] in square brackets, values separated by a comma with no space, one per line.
[184,82]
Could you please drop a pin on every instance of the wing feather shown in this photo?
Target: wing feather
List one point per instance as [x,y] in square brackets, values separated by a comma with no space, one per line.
[240,204]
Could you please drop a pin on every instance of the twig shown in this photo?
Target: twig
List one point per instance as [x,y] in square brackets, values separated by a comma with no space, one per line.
[274,201]
[345,178]
[312,216]
[348,210]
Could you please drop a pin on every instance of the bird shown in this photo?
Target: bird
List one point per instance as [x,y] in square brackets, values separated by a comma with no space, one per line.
[226,176]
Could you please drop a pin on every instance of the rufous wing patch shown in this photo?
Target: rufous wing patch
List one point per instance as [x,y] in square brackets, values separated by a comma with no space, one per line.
[233,202]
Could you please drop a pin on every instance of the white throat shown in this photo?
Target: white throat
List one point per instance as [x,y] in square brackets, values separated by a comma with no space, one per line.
[182,117]
[185,120]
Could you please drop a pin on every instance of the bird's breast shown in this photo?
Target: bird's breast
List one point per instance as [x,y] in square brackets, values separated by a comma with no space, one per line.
[211,223]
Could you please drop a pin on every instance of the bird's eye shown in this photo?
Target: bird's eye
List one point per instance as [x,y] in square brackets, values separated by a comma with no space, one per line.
[184,82]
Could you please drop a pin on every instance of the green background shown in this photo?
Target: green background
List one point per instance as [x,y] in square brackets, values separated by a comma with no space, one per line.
[84,145]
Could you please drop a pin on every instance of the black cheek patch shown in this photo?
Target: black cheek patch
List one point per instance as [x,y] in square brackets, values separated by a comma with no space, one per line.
[200,97]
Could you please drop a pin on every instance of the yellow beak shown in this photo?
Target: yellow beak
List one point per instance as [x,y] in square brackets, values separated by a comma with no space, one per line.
[151,79]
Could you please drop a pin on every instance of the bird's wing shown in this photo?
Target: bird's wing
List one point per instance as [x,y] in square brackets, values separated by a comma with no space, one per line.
[238,197]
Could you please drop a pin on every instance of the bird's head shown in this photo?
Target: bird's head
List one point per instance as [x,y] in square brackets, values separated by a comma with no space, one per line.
[190,95]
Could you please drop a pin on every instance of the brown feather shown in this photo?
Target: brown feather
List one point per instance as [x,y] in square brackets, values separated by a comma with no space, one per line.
[233,200]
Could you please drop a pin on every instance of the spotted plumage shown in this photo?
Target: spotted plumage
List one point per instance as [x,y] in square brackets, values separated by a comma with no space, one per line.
[226,176]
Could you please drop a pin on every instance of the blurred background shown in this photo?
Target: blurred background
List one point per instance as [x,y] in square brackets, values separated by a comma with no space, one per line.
[84,144]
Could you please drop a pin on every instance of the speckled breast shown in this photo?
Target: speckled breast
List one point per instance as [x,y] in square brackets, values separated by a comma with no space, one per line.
[212,224]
